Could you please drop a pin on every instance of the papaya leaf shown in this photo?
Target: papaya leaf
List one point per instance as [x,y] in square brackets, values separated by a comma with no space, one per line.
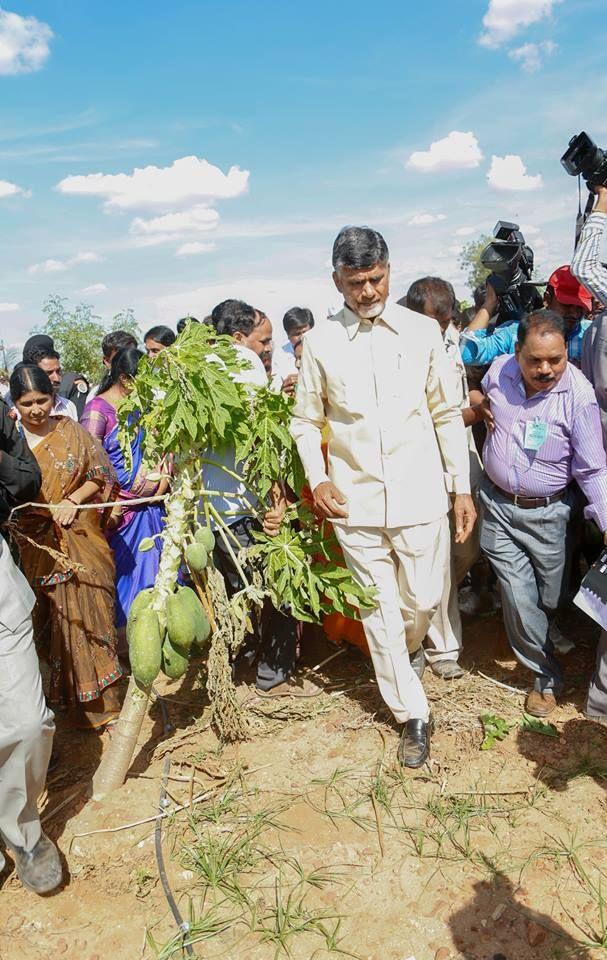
[534,725]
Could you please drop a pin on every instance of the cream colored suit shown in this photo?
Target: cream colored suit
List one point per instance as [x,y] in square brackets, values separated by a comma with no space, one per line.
[26,723]
[385,391]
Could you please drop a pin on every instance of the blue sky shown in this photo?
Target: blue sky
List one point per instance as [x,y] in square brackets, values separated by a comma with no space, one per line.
[297,118]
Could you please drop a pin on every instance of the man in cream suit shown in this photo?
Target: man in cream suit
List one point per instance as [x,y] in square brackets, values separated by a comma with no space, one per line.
[377,375]
[26,723]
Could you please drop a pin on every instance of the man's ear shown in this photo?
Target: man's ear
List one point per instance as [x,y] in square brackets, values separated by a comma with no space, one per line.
[238,336]
[337,281]
[517,350]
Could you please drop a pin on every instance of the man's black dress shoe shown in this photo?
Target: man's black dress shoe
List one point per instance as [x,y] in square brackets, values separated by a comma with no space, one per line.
[414,746]
[418,661]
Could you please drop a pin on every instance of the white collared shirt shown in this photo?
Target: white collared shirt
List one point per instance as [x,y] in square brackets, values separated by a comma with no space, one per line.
[386,393]
[233,494]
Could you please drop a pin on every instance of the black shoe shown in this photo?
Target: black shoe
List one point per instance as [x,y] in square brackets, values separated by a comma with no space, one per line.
[414,746]
[39,869]
[418,662]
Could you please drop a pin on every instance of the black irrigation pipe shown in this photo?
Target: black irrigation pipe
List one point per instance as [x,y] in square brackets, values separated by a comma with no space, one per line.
[183,925]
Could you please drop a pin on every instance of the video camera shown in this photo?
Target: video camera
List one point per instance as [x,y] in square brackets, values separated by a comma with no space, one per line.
[510,261]
[583,158]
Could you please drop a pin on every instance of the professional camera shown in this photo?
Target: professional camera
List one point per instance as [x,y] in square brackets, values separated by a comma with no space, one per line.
[510,260]
[583,158]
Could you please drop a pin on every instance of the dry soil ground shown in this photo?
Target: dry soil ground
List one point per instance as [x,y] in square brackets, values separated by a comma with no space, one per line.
[310,842]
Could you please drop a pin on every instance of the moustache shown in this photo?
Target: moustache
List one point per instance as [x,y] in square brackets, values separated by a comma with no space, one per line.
[544,378]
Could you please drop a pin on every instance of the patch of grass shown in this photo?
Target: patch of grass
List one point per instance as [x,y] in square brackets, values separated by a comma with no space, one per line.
[289,916]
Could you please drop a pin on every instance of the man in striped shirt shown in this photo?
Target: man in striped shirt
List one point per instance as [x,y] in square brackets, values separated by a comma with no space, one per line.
[546,431]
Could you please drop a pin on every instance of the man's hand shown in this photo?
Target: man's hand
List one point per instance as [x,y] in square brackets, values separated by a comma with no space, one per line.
[491,301]
[272,521]
[329,502]
[289,384]
[482,317]
[601,203]
[464,513]
[483,412]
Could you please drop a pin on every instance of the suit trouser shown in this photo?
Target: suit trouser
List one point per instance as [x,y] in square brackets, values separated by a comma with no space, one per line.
[26,737]
[527,551]
[407,566]
[444,640]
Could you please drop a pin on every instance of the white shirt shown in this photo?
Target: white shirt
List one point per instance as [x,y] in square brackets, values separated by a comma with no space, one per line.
[451,339]
[215,478]
[386,393]
[283,365]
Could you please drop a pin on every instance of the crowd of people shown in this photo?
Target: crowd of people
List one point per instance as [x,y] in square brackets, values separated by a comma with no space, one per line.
[428,442]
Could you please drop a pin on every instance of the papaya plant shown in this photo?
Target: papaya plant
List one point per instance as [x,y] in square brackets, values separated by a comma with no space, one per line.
[192,406]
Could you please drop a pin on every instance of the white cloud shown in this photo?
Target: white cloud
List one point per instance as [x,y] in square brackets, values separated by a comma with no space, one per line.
[60,266]
[465,231]
[24,43]
[505,18]
[188,180]
[529,230]
[190,249]
[457,151]
[8,307]
[531,55]
[8,189]
[174,226]
[95,288]
[270,292]
[421,219]
[510,173]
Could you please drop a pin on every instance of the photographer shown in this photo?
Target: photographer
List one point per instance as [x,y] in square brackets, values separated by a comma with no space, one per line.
[563,294]
[589,270]
[26,723]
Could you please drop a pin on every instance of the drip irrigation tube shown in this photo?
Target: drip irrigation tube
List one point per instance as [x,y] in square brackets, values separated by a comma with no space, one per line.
[183,925]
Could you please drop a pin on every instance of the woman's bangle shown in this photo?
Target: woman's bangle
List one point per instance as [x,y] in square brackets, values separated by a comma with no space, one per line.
[71,500]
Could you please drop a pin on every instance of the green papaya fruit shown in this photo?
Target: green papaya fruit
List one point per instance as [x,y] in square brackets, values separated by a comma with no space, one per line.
[196,557]
[141,601]
[198,617]
[181,627]
[174,665]
[145,646]
[206,537]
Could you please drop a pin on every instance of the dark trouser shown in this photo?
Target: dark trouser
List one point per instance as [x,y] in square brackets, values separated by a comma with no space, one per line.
[526,550]
[596,704]
[274,641]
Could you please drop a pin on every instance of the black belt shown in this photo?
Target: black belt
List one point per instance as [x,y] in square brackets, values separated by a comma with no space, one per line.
[531,503]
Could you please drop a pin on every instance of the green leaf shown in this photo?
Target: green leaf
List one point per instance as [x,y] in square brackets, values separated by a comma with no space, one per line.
[495,728]
[534,725]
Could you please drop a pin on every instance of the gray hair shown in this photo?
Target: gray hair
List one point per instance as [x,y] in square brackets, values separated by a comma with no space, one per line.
[359,248]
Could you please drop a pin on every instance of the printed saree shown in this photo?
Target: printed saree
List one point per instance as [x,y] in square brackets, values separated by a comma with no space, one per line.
[135,571]
[71,571]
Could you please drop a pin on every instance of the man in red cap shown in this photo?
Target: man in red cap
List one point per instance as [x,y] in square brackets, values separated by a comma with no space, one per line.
[564,294]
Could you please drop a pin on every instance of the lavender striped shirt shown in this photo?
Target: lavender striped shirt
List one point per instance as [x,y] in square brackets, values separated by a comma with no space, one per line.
[572,449]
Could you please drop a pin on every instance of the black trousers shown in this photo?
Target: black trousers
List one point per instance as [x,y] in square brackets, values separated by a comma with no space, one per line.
[274,642]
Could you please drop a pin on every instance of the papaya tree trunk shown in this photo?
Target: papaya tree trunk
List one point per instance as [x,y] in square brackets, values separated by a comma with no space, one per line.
[114,766]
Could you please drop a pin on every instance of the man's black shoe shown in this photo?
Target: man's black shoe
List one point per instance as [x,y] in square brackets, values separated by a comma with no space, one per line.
[418,662]
[414,746]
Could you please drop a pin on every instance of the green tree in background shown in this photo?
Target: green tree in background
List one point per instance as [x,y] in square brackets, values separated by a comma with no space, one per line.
[77,333]
[470,261]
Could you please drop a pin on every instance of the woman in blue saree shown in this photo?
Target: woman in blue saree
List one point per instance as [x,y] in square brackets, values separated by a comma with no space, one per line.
[129,525]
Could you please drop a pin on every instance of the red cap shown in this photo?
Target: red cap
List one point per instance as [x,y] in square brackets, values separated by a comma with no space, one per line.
[568,290]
